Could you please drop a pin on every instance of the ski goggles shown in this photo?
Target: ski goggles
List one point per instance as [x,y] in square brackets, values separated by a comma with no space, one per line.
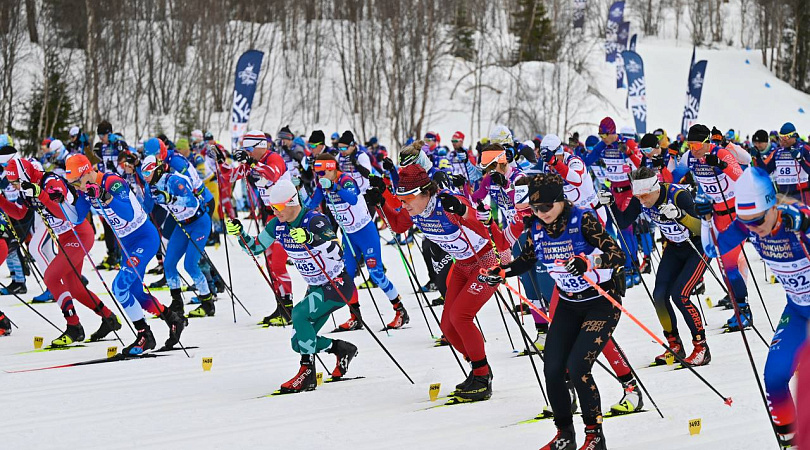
[314,145]
[694,145]
[755,222]
[320,167]
[409,195]
[647,150]
[281,206]
[788,135]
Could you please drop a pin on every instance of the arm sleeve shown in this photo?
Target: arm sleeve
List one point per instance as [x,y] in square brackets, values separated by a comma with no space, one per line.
[315,200]
[733,169]
[595,154]
[263,241]
[524,262]
[119,190]
[595,234]
[398,218]
[182,191]
[684,201]
[626,218]
[348,191]
[14,210]
[272,169]
[363,165]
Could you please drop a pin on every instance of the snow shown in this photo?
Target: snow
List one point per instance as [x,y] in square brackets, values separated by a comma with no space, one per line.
[170,402]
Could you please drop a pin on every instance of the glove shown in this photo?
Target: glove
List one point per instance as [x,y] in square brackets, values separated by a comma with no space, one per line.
[30,189]
[233,227]
[325,183]
[452,204]
[657,162]
[670,211]
[483,214]
[674,149]
[461,156]
[110,166]
[458,181]
[793,219]
[55,194]
[218,155]
[714,161]
[161,197]
[377,182]
[605,197]
[440,177]
[577,265]
[498,178]
[388,164]
[374,196]
[301,236]
[704,206]
[797,154]
[493,276]
[243,157]
[97,192]
[130,159]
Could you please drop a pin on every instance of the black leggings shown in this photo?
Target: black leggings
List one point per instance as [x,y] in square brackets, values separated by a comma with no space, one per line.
[680,270]
[575,339]
[438,263]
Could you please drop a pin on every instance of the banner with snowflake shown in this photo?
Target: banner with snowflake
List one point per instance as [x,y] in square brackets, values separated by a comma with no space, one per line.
[247,78]
[621,45]
[690,111]
[579,13]
[615,19]
[636,89]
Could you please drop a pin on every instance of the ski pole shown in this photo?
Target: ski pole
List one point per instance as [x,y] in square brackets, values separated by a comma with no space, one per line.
[412,273]
[221,212]
[125,318]
[357,263]
[726,400]
[733,299]
[267,279]
[34,309]
[354,309]
[72,267]
[205,255]
[27,255]
[632,257]
[161,311]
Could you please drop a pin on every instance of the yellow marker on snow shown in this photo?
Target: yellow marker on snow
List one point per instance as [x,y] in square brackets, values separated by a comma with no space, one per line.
[694,426]
[319,378]
[773,279]
[112,351]
[38,342]
[434,391]
[670,359]
[207,362]
[708,302]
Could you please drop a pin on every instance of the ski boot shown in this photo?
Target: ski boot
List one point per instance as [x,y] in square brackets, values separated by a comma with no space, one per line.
[645,266]
[157,270]
[437,302]
[628,279]
[177,302]
[143,342]
[177,324]
[429,287]
[206,307]
[44,297]
[785,435]
[282,316]
[5,325]
[478,388]
[344,352]
[400,318]
[73,333]
[745,315]
[219,284]
[354,323]
[304,380]
[632,400]
[572,392]
[674,342]
[108,325]
[565,439]
[15,287]
[159,283]
[636,278]
[725,303]
[700,353]
[594,438]
[368,284]
[540,340]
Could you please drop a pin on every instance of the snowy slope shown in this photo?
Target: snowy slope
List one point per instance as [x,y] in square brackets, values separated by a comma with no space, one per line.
[169,402]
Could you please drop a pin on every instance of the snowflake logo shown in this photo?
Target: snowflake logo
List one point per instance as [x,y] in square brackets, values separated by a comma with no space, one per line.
[623,35]
[697,82]
[632,66]
[248,76]
[617,12]
[637,99]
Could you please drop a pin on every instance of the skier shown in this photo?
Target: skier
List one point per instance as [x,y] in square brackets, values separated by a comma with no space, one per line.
[5,325]
[349,207]
[789,164]
[108,148]
[113,200]
[36,189]
[308,238]
[175,193]
[671,208]
[780,234]
[584,320]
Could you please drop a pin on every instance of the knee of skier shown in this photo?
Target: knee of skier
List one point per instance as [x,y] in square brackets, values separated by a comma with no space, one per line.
[300,311]
[554,368]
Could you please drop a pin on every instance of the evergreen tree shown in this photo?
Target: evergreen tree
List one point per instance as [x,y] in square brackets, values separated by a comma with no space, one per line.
[536,40]
[56,119]
[463,41]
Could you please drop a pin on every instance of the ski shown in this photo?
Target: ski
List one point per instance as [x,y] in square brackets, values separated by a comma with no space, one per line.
[335,380]
[173,349]
[455,401]
[117,357]
[548,415]
[51,348]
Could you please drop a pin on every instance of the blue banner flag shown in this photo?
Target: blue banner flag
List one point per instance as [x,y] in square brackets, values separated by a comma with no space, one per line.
[615,19]
[633,43]
[579,13]
[690,111]
[636,89]
[621,45]
[247,78]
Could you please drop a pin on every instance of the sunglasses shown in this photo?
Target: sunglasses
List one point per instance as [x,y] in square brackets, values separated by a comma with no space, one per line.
[76,183]
[455,141]
[542,207]
[278,206]
[343,147]
[753,222]
[314,145]
[647,150]
[693,145]
[787,136]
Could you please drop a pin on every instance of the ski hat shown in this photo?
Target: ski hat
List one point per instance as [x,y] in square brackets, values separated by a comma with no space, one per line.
[22,169]
[148,165]
[432,135]
[413,179]
[347,138]
[46,142]
[182,144]
[648,141]
[335,136]
[7,152]
[373,141]
[77,165]
[500,135]
[591,141]
[457,136]
[731,135]
[285,133]
[788,130]
[760,136]
[208,136]
[628,131]
[546,188]
[549,146]
[317,137]
[698,133]
[283,193]
[74,131]
[647,185]
[755,192]
[607,126]
[155,146]
[254,139]
[196,135]
[5,140]
[56,145]
[104,127]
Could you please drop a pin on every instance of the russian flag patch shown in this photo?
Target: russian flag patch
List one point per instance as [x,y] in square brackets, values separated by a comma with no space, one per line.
[746,206]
